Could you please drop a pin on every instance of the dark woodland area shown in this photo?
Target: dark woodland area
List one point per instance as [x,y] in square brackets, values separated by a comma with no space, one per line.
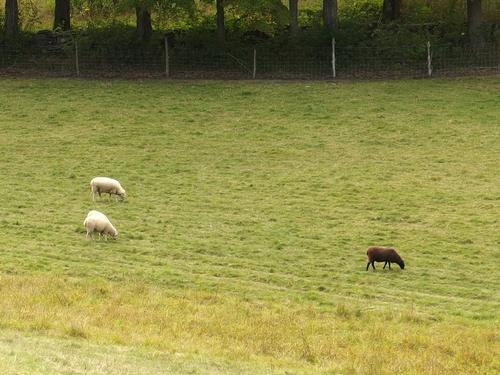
[215,34]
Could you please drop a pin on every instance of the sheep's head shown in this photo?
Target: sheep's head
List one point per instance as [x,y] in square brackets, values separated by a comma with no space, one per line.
[122,194]
[402,264]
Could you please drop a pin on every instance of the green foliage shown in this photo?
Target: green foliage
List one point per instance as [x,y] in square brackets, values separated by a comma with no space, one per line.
[173,14]
[357,22]
[267,16]
[96,12]
[167,5]
[422,11]
[29,14]
[20,43]
[165,13]
[118,41]
[2,20]
[263,23]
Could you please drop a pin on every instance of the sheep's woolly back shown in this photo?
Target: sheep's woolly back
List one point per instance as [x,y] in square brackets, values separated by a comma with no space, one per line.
[98,222]
[106,185]
[381,254]
[97,213]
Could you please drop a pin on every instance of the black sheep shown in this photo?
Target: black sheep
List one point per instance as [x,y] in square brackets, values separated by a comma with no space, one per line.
[383,254]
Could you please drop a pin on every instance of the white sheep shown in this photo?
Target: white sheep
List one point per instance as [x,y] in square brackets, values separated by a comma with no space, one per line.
[98,222]
[95,212]
[106,185]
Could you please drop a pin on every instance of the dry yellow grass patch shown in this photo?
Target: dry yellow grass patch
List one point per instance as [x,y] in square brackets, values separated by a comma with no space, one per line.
[346,339]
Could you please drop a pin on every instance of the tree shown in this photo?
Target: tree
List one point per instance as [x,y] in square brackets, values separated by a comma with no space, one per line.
[219,20]
[330,14]
[294,25]
[221,29]
[474,19]
[143,21]
[11,17]
[391,10]
[256,15]
[266,16]
[62,18]
[163,9]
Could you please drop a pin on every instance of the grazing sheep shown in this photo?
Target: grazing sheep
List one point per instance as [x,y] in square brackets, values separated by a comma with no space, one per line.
[94,212]
[106,185]
[98,222]
[383,254]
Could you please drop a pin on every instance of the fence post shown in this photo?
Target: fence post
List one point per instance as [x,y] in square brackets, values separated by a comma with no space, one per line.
[77,65]
[167,67]
[254,63]
[334,68]
[429,59]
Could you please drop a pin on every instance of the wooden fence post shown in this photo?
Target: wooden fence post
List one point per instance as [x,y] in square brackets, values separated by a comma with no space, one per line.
[429,59]
[77,63]
[254,63]
[167,62]
[334,68]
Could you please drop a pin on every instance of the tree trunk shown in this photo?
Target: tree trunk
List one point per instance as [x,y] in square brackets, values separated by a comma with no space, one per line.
[396,9]
[474,22]
[452,6]
[62,15]
[391,10]
[221,29]
[143,23]
[294,13]
[11,17]
[330,14]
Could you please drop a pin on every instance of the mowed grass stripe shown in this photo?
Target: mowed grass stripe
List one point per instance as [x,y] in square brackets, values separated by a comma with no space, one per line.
[251,276]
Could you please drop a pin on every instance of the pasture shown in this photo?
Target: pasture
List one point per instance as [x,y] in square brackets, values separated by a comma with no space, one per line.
[242,242]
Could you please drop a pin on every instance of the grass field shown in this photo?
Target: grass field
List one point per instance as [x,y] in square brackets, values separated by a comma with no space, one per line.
[242,241]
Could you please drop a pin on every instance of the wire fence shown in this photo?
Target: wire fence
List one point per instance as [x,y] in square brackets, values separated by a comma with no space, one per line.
[102,60]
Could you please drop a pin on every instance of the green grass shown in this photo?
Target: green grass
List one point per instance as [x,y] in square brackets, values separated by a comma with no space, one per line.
[27,354]
[260,198]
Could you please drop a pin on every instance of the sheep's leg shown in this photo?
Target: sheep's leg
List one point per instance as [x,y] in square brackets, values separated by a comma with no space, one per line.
[389,264]
[373,265]
[385,264]
[367,266]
